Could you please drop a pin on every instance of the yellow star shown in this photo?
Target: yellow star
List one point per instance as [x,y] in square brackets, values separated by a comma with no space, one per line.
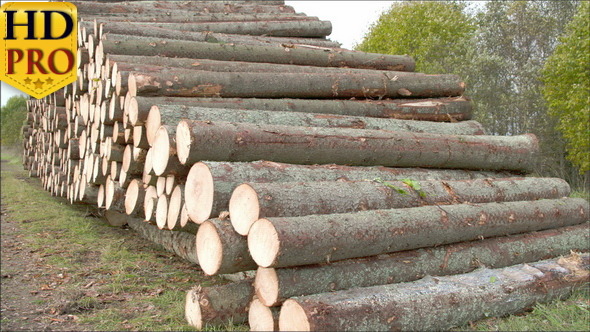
[28,80]
[38,84]
[49,81]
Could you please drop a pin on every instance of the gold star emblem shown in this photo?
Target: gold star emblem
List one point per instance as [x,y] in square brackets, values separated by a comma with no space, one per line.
[38,84]
[28,80]
[49,81]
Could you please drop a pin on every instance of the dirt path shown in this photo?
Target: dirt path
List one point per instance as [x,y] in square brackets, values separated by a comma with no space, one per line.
[28,302]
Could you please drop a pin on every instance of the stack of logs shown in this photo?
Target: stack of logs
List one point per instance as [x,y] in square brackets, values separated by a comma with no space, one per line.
[345,179]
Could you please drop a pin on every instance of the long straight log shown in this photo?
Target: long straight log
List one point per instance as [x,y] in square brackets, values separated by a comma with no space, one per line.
[124,28]
[437,109]
[195,83]
[180,243]
[298,28]
[297,55]
[208,19]
[218,305]
[437,303]
[221,250]
[172,7]
[209,185]
[252,201]
[273,286]
[277,242]
[223,141]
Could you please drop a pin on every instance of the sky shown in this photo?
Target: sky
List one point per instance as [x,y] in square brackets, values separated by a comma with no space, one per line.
[350,22]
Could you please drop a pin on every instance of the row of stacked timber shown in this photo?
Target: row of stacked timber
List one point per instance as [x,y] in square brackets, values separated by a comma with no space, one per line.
[355,193]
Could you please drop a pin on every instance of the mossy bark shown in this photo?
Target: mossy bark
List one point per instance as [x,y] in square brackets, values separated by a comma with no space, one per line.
[411,265]
[442,302]
[328,238]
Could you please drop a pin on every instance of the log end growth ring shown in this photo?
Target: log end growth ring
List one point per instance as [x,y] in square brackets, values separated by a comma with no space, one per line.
[192,310]
[131,196]
[161,154]
[183,141]
[198,192]
[260,317]
[266,285]
[244,208]
[263,243]
[209,248]
[162,211]
[293,317]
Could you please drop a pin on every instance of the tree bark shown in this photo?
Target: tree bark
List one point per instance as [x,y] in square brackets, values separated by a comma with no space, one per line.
[273,286]
[278,242]
[218,305]
[208,19]
[172,114]
[252,201]
[141,7]
[436,109]
[137,29]
[224,141]
[277,28]
[180,243]
[437,303]
[193,83]
[221,250]
[209,185]
[298,55]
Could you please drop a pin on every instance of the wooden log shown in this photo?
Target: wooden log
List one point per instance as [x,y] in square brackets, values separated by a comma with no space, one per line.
[162,211]
[277,242]
[218,305]
[209,185]
[172,114]
[196,83]
[252,201]
[175,207]
[273,286]
[133,160]
[149,202]
[298,55]
[437,109]
[140,7]
[437,303]
[134,197]
[180,243]
[224,141]
[137,29]
[114,195]
[294,28]
[261,317]
[221,250]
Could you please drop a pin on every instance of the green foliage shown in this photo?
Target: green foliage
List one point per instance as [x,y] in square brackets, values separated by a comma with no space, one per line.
[435,33]
[567,87]
[12,117]
[391,185]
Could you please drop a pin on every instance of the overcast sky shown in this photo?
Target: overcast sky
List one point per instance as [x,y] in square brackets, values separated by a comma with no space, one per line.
[350,21]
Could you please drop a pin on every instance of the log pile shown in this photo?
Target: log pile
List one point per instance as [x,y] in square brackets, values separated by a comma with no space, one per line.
[237,136]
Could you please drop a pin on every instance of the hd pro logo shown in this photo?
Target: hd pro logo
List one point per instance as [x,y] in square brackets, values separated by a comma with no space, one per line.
[39,46]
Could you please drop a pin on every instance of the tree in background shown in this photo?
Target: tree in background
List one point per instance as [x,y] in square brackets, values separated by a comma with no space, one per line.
[435,33]
[567,87]
[12,117]
[498,50]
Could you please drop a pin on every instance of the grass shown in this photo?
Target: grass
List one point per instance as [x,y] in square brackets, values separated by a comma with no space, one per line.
[112,280]
[138,286]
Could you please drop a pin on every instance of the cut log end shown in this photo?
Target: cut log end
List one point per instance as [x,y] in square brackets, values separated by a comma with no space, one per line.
[161,154]
[132,85]
[198,192]
[209,248]
[183,141]
[133,111]
[127,158]
[174,207]
[153,123]
[244,208]
[131,196]
[162,211]
[260,317]
[293,317]
[101,196]
[109,192]
[184,218]
[192,310]
[266,285]
[263,243]
[149,202]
